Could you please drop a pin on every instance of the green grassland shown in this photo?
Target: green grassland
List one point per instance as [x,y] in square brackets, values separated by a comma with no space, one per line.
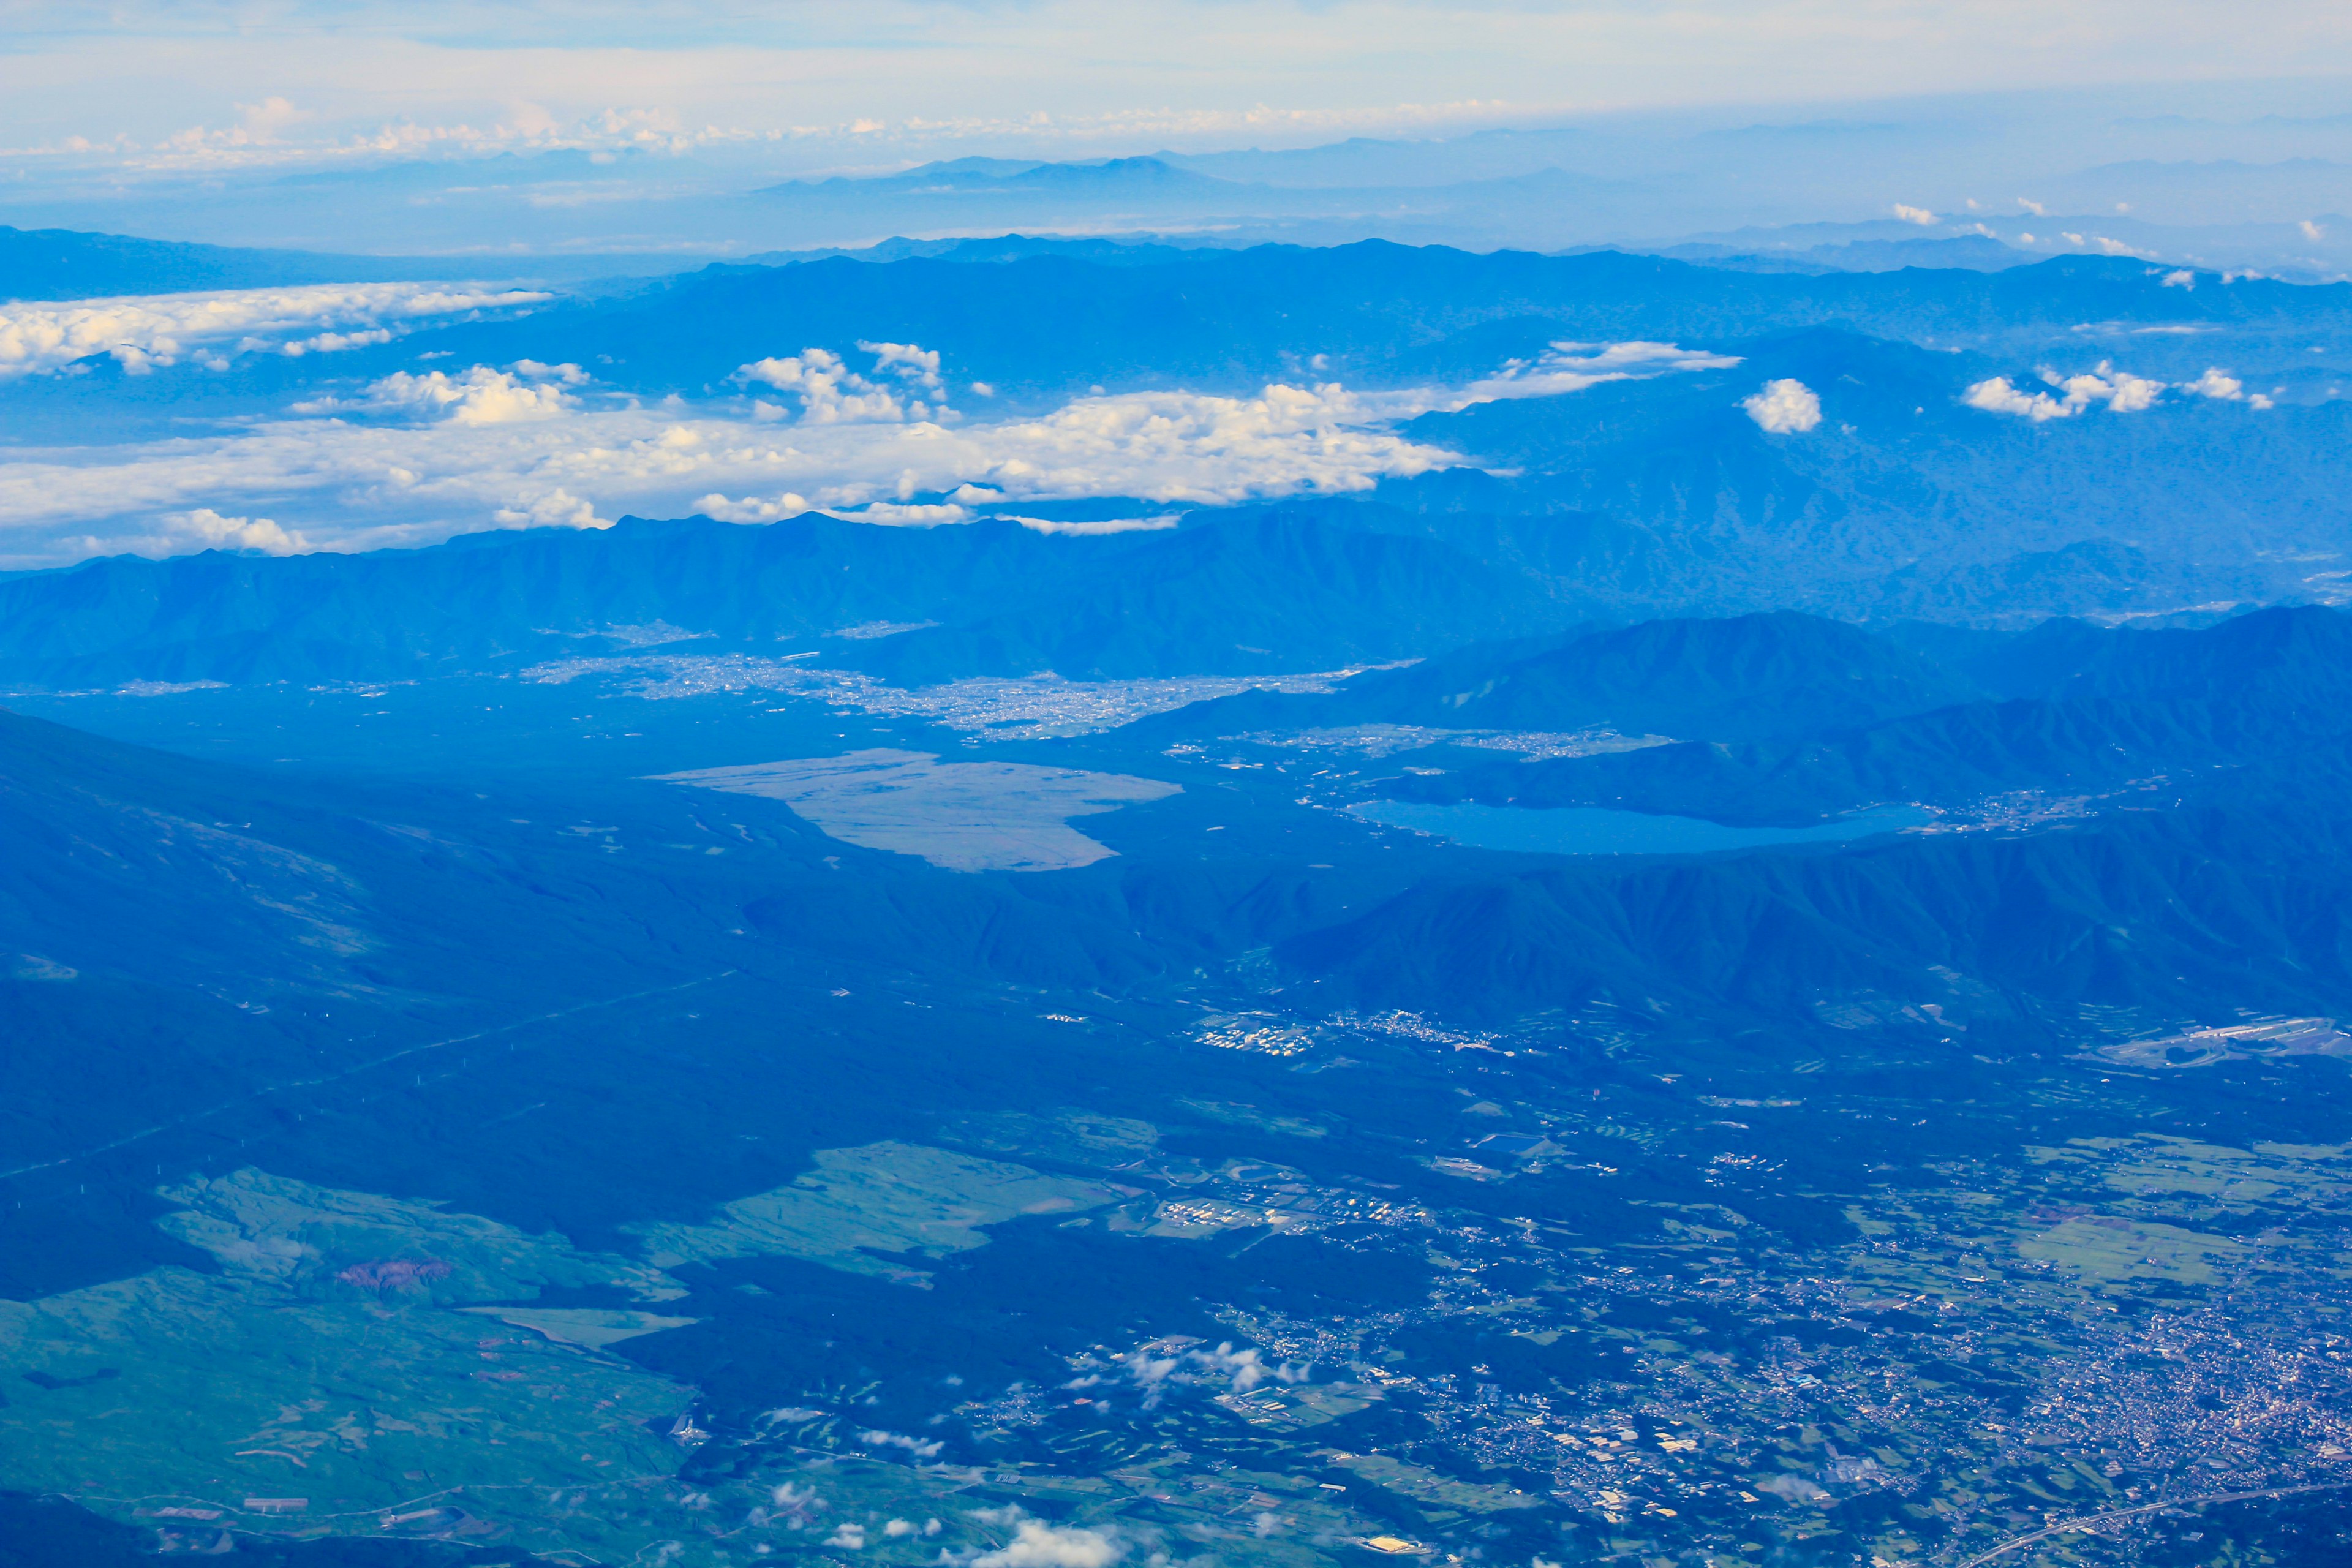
[284,1393]
[363,1365]
[885,1198]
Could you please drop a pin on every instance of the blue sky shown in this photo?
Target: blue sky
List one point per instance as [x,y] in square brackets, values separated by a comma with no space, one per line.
[194,86]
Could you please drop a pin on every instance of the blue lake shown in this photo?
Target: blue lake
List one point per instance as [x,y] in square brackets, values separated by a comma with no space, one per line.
[1595,830]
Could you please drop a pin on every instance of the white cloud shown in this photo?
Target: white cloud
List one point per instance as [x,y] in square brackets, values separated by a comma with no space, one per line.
[1786,407]
[2216,383]
[832,394]
[919,366]
[2036,209]
[753,509]
[559,508]
[845,1534]
[1242,1369]
[414,457]
[1036,1544]
[915,1446]
[1999,396]
[480,396]
[2182,279]
[2223,387]
[147,331]
[1919,215]
[214,532]
[2312,231]
[2122,392]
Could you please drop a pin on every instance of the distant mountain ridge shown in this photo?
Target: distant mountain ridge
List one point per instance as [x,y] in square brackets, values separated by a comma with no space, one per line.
[65,264]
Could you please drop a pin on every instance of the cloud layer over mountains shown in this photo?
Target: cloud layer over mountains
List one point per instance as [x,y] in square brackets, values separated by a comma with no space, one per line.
[490,448]
[415,456]
[142,332]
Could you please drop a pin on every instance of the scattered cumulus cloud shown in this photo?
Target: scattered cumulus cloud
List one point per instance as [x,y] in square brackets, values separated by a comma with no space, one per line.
[2119,391]
[1998,396]
[479,396]
[1919,215]
[210,530]
[2036,209]
[919,366]
[2312,231]
[830,393]
[2122,393]
[1785,407]
[2223,387]
[145,332]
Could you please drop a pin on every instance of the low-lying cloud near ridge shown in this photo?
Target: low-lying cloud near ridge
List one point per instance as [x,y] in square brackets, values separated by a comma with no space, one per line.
[414,457]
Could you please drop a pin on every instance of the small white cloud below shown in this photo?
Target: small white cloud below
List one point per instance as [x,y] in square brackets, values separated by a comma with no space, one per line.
[1036,1544]
[1784,408]
[2182,278]
[2312,231]
[1919,215]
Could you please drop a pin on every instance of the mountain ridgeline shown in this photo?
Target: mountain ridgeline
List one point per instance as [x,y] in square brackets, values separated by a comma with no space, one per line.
[1905,491]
